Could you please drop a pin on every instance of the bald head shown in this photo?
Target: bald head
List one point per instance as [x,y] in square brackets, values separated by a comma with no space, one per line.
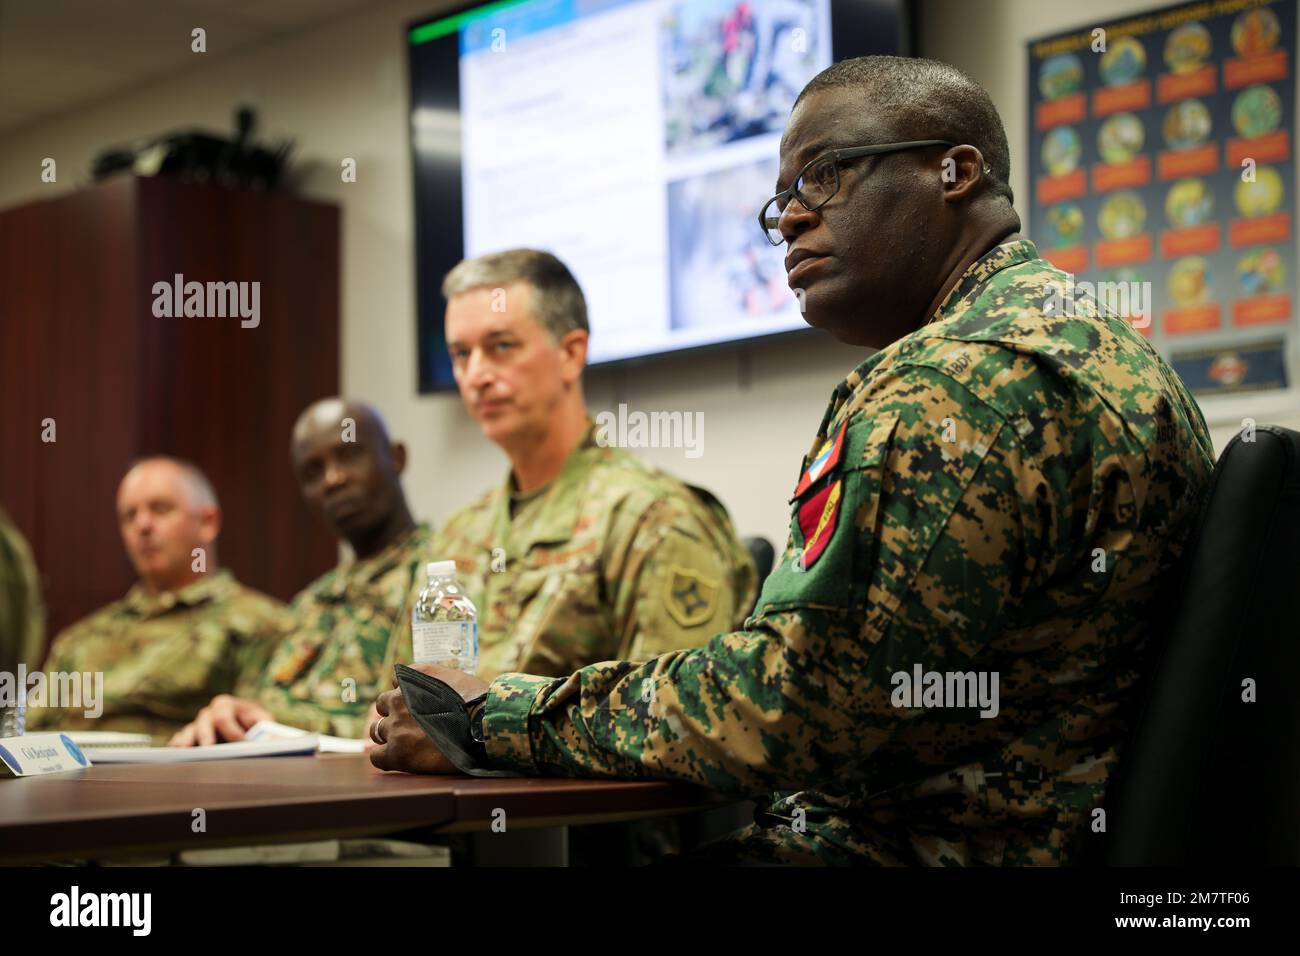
[194,484]
[334,415]
[169,518]
[349,471]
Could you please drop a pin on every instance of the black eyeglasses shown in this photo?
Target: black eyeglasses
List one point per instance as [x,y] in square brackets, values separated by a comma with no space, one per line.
[820,180]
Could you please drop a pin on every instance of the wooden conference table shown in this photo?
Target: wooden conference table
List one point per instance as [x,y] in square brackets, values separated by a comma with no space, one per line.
[119,810]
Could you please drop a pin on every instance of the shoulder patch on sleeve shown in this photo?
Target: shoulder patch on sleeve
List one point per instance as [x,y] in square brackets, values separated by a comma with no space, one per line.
[817,519]
[690,597]
[825,461]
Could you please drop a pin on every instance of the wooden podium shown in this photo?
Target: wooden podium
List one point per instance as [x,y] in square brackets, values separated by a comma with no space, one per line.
[81,346]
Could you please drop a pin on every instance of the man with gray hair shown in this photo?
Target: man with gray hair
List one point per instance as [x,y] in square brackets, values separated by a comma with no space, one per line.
[584,553]
[187,631]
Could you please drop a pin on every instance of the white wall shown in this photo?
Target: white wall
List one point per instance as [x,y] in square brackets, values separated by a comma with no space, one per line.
[340,91]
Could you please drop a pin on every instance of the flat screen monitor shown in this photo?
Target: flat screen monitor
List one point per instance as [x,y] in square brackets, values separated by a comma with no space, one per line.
[634,139]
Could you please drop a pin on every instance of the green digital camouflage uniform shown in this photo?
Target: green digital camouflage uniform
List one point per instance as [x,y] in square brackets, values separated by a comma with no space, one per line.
[613,560]
[951,514]
[22,620]
[351,625]
[165,656]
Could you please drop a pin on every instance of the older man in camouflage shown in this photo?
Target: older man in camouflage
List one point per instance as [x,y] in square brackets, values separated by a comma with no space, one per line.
[349,625]
[584,553]
[1000,490]
[186,631]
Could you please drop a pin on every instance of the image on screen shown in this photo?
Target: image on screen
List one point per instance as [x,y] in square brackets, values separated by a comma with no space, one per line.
[634,139]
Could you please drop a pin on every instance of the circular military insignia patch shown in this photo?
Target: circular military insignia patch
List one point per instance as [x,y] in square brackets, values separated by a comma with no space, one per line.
[817,520]
[691,599]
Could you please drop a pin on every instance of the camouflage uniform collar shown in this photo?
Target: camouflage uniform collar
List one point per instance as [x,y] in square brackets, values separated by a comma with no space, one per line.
[365,570]
[587,441]
[217,586]
[981,271]
[556,517]
[968,287]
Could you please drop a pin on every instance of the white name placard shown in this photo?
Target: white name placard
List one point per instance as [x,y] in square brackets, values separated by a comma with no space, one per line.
[39,753]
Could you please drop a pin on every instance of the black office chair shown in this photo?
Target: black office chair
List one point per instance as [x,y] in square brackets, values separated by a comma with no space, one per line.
[761,550]
[1206,777]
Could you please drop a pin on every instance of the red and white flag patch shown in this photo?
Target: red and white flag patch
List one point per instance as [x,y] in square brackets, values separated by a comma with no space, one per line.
[824,462]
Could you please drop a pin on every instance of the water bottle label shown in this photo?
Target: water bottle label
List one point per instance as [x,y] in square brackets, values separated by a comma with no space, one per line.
[444,640]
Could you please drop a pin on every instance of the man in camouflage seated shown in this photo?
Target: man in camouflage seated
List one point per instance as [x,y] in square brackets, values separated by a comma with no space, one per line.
[349,625]
[186,631]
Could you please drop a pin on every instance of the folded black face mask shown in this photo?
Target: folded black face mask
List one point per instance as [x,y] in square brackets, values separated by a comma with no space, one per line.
[444,716]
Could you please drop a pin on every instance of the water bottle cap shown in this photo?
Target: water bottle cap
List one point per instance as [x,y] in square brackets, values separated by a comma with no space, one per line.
[440,569]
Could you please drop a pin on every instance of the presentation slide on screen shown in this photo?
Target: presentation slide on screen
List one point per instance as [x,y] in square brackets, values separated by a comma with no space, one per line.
[637,141]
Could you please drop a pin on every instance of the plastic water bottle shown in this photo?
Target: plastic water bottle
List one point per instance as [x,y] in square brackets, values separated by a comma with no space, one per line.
[13,717]
[444,622]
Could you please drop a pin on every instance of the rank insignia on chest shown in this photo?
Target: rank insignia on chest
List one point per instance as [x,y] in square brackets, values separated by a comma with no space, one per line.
[295,664]
[817,519]
[824,462]
[690,598]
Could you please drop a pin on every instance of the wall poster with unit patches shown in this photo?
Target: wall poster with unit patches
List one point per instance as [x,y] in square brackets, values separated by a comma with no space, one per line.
[1163,176]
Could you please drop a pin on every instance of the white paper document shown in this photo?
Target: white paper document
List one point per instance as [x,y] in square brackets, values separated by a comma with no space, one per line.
[307,744]
[270,730]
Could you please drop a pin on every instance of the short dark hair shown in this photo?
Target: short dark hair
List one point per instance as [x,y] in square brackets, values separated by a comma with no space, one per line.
[557,297]
[927,99]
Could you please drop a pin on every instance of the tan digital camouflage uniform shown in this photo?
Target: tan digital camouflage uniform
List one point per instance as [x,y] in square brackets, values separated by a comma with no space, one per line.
[612,560]
[22,619]
[351,625]
[165,656]
[985,463]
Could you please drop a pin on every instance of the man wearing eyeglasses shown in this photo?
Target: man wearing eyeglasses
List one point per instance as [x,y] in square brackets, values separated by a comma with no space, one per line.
[942,667]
